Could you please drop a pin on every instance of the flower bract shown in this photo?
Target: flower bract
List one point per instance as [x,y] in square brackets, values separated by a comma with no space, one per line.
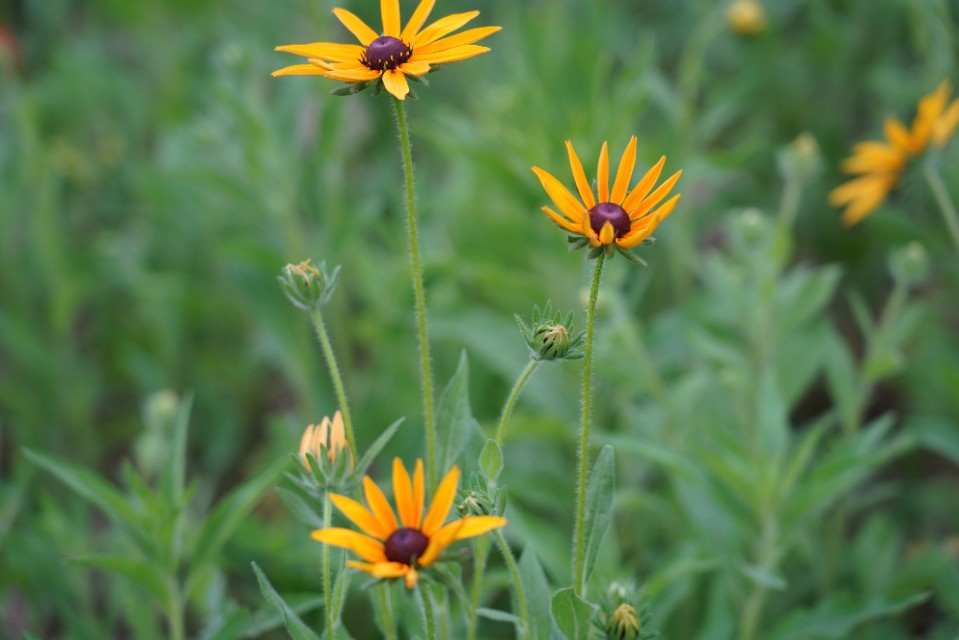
[394,53]
[614,216]
[878,165]
[396,544]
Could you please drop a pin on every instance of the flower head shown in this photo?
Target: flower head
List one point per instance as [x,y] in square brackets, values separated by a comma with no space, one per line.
[328,436]
[878,165]
[395,545]
[614,217]
[393,54]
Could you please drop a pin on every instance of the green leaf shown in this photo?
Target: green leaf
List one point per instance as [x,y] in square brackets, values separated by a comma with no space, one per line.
[229,515]
[491,460]
[139,570]
[537,594]
[340,587]
[454,416]
[300,508]
[772,417]
[936,435]
[294,626]
[96,490]
[572,614]
[173,479]
[839,615]
[599,504]
[499,616]
[374,449]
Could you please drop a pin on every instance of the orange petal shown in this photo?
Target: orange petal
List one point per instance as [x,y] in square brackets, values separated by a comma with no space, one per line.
[870,157]
[378,505]
[419,493]
[360,516]
[645,184]
[607,233]
[467,37]
[930,108]
[476,525]
[439,541]
[645,227]
[449,55]
[416,20]
[395,82]
[390,10]
[946,125]
[565,201]
[653,199]
[441,27]
[855,189]
[602,174]
[579,176]
[561,221]
[415,68]
[897,134]
[356,26]
[329,51]
[403,494]
[862,207]
[364,546]
[410,579]
[300,70]
[390,569]
[624,173]
[352,75]
[442,501]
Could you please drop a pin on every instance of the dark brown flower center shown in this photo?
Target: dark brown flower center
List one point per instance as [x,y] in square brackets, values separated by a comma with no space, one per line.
[612,213]
[385,53]
[405,545]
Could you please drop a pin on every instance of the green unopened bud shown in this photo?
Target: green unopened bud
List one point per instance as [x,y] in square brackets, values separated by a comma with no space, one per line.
[909,264]
[750,225]
[306,286]
[550,336]
[622,614]
[481,498]
[623,623]
[799,160]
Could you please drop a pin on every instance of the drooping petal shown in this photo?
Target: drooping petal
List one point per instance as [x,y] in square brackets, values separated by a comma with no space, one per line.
[624,173]
[467,37]
[390,569]
[416,20]
[867,202]
[390,10]
[602,174]
[360,516]
[607,233]
[329,51]
[441,27]
[378,505]
[442,502]
[643,187]
[579,176]
[645,227]
[653,199]
[410,579]
[414,68]
[356,26]
[395,82]
[366,547]
[403,495]
[300,70]
[449,55]
[561,221]
[352,75]
[565,201]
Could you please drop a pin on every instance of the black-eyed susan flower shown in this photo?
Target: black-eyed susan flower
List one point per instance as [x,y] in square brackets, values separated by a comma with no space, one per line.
[328,436]
[879,165]
[393,54]
[616,217]
[396,545]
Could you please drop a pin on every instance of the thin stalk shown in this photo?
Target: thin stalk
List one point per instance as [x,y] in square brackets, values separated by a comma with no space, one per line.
[582,464]
[327,576]
[386,610]
[338,387]
[426,599]
[175,612]
[419,292]
[946,205]
[523,630]
[513,396]
[480,555]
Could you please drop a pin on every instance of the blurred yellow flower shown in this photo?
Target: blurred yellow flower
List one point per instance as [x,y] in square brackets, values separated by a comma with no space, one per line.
[609,216]
[395,53]
[395,548]
[329,435]
[879,164]
[746,17]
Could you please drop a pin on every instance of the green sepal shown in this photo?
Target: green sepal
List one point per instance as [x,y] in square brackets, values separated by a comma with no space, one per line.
[595,252]
[419,80]
[576,242]
[353,88]
[632,257]
[412,95]
[378,88]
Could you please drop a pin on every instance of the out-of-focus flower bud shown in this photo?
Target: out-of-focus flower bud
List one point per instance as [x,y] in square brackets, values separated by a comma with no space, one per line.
[909,264]
[746,17]
[306,286]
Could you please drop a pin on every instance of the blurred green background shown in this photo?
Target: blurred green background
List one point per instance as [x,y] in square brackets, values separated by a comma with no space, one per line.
[154,179]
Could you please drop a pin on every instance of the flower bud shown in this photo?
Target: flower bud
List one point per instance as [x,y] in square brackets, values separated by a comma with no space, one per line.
[324,442]
[306,286]
[746,17]
[623,623]
[909,264]
[549,336]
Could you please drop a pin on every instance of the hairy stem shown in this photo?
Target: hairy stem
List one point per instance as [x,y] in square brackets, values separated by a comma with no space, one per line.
[513,396]
[327,575]
[338,387]
[523,629]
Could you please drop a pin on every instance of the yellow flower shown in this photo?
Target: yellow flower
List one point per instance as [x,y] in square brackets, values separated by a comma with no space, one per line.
[616,216]
[395,548]
[879,165]
[746,17]
[395,53]
[329,435]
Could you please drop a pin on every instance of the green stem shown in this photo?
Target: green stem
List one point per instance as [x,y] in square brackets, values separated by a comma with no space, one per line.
[513,396]
[523,629]
[946,206]
[480,554]
[582,464]
[175,612]
[327,348]
[327,576]
[419,293]
[426,599]
[386,610]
